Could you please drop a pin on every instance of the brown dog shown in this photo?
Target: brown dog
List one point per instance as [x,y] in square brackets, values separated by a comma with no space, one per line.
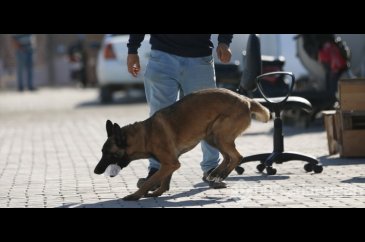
[217,116]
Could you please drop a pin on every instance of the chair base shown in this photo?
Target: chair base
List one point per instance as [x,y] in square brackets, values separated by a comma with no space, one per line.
[268,159]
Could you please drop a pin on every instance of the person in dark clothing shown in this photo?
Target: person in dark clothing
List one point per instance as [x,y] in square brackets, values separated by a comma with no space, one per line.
[179,63]
[333,54]
[24,46]
[336,61]
[314,42]
[78,57]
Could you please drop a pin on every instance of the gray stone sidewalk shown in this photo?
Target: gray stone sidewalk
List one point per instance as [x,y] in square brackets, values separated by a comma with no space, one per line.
[50,142]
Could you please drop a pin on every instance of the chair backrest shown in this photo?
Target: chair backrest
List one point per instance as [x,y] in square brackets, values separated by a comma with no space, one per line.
[252,66]
[252,75]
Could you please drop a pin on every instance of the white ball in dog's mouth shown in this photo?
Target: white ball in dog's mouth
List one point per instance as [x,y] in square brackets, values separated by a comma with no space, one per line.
[112,171]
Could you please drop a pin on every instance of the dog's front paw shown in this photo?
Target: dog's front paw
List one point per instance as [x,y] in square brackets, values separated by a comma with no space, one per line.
[218,175]
[224,174]
[157,193]
[152,195]
[132,197]
[215,177]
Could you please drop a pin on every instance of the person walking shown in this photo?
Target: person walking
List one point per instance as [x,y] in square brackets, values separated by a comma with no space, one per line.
[179,65]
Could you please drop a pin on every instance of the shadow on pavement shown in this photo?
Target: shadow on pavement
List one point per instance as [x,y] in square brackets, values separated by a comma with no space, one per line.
[291,131]
[257,178]
[117,101]
[336,161]
[355,180]
[168,201]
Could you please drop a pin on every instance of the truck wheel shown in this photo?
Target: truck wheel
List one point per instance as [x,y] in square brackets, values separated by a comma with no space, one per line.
[106,95]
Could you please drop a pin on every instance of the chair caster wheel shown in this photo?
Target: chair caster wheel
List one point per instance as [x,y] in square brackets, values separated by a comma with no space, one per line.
[261,167]
[240,170]
[271,171]
[308,167]
[317,169]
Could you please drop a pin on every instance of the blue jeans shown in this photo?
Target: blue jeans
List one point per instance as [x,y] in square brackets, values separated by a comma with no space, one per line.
[25,65]
[167,75]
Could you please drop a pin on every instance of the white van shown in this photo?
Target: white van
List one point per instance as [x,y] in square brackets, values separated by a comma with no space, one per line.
[111,69]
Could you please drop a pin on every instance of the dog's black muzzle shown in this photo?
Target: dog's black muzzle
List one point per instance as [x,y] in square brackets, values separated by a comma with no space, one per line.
[101,167]
[106,161]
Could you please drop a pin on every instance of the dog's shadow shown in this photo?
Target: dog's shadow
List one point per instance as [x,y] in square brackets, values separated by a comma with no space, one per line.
[257,178]
[165,201]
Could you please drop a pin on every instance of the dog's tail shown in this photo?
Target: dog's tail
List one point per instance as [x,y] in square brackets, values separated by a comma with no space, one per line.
[260,112]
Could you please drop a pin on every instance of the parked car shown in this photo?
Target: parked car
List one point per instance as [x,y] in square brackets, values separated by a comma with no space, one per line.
[112,72]
[229,75]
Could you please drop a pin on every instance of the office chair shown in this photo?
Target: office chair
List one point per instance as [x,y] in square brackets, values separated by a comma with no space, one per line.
[252,79]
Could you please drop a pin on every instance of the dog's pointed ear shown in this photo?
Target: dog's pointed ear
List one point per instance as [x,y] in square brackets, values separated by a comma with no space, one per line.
[120,137]
[109,128]
[116,126]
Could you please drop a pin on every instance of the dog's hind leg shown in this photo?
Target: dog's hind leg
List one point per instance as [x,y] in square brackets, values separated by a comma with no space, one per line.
[215,173]
[236,158]
[216,143]
[232,161]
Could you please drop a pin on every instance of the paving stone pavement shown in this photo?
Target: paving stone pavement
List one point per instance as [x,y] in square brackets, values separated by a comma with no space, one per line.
[50,142]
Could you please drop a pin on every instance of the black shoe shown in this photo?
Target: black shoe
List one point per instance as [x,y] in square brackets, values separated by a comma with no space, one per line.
[213,184]
[143,180]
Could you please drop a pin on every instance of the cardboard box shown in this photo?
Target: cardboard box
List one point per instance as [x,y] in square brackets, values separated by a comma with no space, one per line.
[351,134]
[352,143]
[345,133]
[352,94]
[331,125]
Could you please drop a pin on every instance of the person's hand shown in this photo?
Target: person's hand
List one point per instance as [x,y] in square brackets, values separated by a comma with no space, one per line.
[224,53]
[133,64]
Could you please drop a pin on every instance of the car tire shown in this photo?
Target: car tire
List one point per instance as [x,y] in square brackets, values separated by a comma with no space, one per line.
[106,95]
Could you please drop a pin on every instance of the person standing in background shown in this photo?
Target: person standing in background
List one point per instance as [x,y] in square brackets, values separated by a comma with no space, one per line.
[78,57]
[24,45]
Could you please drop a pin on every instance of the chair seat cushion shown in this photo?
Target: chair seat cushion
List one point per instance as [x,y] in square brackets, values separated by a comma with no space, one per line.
[293,102]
